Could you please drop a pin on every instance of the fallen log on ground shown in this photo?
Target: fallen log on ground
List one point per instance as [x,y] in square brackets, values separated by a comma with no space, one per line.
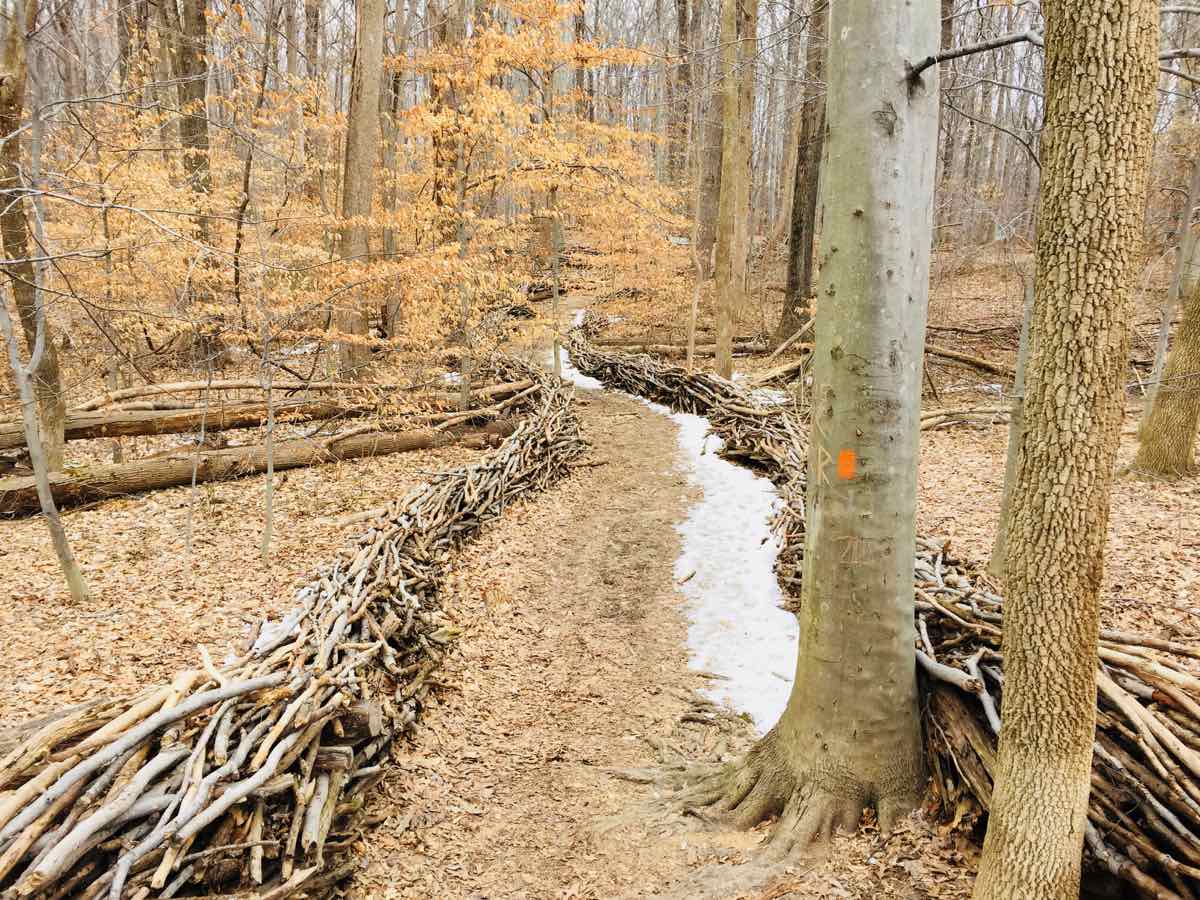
[988,415]
[1144,813]
[256,773]
[224,416]
[18,496]
[232,384]
[627,343]
[219,417]
[974,362]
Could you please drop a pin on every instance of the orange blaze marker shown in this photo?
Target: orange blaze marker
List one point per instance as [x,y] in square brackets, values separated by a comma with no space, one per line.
[846,463]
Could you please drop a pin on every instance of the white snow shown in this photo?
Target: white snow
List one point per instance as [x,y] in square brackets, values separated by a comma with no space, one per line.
[737,629]
[569,372]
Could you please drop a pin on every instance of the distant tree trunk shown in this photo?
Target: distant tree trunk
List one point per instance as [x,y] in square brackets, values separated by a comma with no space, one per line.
[1168,437]
[806,187]
[14,231]
[739,21]
[1183,256]
[1016,427]
[443,96]
[314,146]
[695,79]
[791,139]
[945,195]
[677,158]
[851,734]
[581,92]
[358,180]
[292,27]
[189,58]
[1088,238]
[708,193]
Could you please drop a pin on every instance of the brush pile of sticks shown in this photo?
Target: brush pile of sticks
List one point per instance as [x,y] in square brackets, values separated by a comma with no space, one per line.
[1144,816]
[254,772]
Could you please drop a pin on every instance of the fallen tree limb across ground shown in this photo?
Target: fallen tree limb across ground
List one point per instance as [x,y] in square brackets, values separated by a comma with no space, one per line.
[1144,814]
[254,772]
[224,416]
[673,349]
[122,423]
[18,496]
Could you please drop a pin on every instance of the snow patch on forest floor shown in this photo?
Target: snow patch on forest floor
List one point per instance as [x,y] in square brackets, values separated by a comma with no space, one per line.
[737,629]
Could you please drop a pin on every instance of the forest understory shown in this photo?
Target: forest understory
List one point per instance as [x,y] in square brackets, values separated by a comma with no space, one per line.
[571,668]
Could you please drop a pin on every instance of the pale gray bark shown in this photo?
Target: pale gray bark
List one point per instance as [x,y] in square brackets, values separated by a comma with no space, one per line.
[851,735]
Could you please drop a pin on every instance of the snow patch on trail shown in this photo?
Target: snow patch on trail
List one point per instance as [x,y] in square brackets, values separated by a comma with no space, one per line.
[569,372]
[737,629]
[726,570]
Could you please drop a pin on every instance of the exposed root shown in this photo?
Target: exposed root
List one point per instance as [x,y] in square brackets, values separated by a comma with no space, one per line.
[808,807]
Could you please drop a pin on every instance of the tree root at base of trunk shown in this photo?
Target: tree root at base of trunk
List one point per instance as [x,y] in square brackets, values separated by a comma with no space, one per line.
[808,807]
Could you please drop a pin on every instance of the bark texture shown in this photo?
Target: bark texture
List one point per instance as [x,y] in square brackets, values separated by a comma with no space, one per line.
[14,231]
[850,736]
[708,192]
[1168,438]
[805,187]
[358,180]
[1016,426]
[739,22]
[1100,80]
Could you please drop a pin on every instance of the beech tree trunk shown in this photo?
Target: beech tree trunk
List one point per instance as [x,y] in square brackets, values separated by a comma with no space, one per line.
[850,735]
[806,185]
[14,231]
[1101,71]
[358,179]
[1168,437]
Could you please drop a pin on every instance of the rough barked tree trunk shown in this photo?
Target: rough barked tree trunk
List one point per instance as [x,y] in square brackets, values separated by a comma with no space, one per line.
[314,146]
[1100,93]
[1016,425]
[14,231]
[1169,435]
[739,22]
[358,180]
[805,187]
[708,192]
[1188,237]
[850,735]
[677,158]
[187,27]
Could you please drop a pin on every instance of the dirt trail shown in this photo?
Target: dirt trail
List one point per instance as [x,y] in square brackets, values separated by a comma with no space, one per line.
[572,663]
[572,656]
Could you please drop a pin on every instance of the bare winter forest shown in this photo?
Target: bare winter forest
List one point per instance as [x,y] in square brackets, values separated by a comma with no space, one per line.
[600,449]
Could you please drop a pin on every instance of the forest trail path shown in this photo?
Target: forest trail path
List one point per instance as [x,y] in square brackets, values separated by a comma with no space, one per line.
[572,661]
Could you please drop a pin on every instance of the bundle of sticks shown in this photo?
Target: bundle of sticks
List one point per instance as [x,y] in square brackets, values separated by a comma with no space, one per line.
[254,772]
[1144,814]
